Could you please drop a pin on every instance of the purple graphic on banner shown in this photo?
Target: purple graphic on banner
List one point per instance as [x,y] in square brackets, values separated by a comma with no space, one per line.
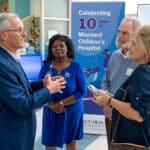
[107,54]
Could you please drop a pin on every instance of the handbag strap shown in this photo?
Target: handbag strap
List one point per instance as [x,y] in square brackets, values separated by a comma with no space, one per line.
[118,118]
[144,135]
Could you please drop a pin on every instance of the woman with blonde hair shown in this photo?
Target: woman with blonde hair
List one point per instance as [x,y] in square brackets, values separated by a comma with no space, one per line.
[134,123]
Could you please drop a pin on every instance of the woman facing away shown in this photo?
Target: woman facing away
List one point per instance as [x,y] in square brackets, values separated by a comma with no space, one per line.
[63,118]
[134,124]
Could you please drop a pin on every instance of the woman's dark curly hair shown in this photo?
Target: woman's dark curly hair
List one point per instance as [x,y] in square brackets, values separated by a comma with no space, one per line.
[66,40]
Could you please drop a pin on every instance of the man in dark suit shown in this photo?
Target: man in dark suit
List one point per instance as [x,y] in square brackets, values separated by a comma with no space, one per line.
[18,97]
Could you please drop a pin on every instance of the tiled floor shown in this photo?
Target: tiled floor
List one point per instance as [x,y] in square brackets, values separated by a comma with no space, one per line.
[99,144]
[89,142]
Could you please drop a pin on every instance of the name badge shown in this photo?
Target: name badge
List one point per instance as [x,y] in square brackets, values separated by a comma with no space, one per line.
[129,71]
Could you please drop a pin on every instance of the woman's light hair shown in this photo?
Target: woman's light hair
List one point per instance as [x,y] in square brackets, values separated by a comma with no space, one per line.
[142,37]
[4,20]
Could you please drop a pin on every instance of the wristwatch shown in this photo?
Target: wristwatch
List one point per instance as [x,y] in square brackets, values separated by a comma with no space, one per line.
[109,101]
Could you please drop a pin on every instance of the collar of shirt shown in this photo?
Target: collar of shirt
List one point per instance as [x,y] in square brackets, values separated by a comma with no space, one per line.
[15,56]
[124,56]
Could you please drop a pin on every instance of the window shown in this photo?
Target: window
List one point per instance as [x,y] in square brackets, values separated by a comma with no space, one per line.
[55,18]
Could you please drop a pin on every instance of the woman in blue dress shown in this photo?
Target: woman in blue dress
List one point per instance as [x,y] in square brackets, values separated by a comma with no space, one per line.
[134,123]
[63,118]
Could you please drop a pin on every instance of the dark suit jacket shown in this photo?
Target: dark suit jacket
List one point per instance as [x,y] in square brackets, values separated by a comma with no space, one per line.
[18,100]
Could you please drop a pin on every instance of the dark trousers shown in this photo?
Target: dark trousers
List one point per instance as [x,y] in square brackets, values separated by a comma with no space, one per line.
[108,131]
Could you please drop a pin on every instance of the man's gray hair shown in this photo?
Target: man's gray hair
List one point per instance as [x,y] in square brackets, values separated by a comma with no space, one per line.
[4,20]
[136,23]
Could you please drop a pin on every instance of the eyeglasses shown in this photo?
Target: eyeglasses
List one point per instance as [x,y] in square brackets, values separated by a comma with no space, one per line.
[22,31]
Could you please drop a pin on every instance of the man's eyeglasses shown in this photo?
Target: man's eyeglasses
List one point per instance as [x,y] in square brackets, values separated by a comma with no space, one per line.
[22,31]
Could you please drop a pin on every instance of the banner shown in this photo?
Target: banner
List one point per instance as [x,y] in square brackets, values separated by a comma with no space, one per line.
[93,32]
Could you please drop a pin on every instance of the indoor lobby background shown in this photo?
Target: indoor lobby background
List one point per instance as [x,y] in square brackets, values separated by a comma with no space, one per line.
[43,18]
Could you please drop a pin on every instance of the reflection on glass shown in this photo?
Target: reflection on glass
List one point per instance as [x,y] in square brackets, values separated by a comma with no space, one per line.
[56,26]
[59,26]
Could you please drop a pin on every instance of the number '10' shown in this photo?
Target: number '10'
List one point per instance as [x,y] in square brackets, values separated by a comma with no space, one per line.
[89,23]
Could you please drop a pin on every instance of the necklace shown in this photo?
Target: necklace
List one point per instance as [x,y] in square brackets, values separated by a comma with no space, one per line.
[59,66]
